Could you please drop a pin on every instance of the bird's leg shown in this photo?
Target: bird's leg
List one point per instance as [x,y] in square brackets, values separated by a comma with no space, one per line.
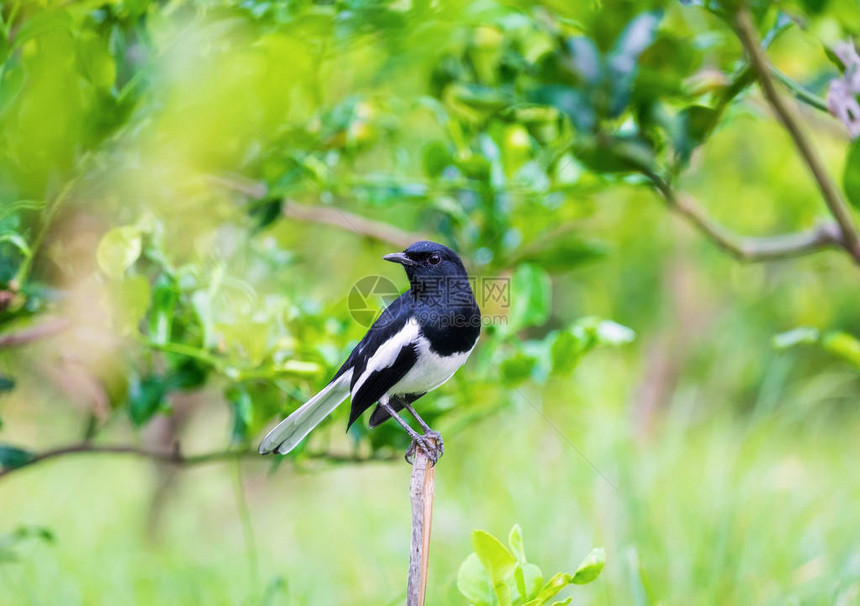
[428,433]
[416,438]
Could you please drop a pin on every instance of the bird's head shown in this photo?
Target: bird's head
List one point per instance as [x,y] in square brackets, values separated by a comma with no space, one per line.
[426,259]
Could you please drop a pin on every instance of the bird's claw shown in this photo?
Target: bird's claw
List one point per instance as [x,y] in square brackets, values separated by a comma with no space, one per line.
[433,452]
[437,441]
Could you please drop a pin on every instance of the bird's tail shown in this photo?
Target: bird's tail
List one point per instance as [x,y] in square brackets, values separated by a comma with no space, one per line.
[292,430]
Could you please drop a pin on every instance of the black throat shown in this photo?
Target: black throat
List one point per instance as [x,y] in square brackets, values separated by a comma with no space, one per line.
[447,312]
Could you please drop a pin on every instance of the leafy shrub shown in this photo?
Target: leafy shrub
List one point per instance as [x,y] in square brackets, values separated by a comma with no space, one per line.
[494,574]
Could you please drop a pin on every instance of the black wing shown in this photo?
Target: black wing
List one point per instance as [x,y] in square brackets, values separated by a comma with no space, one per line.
[380,381]
[389,323]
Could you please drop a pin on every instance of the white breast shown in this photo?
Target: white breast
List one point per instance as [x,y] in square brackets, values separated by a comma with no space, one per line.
[430,371]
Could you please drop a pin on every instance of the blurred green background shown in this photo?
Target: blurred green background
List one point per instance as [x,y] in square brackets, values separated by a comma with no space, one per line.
[189,190]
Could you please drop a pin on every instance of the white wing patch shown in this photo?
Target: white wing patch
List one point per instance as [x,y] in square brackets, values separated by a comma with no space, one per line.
[387,353]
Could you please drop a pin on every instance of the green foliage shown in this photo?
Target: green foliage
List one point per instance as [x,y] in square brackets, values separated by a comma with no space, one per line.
[11,457]
[530,297]
[118,250]
[495,574]
[9,541]
[152,154]
[836,342]
[851,174]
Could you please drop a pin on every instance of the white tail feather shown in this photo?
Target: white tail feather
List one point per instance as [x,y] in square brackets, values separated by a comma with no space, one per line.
[292,430]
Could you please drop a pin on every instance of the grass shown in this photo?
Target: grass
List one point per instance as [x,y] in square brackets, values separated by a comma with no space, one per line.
[715,508]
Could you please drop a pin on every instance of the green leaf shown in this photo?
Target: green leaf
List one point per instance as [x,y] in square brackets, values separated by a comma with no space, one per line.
[566,351]
[851,174]
[843,345]
[517,368]
[802,335]
[497,560]
[96,62]
[564,603]
[300,368]
[617,154]
[201,301]
[132,299]
[6,383]
[503,594]
[608,332]
[41,533]
[636,37]
[11,208]
[586,333]
[590,567]
[474,582]
[533,578]
[17,241]
[187,373]
[515,541]
[623,61]
[437,156]
[145,397]
[564,252]
[163,306]
[520,579]
[697,122]
[118,249]
[243,411]
[530,296]
[554,585]
[11,457]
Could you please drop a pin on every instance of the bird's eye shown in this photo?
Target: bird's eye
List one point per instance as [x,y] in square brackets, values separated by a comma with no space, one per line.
[434,259]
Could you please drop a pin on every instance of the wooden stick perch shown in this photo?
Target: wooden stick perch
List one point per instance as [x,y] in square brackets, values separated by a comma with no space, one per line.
[421,495]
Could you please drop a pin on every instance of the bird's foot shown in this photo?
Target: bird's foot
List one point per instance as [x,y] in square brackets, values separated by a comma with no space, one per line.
[432,447]
[436,437]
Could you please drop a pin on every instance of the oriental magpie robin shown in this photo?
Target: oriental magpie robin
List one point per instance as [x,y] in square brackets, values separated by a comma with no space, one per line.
[415,345]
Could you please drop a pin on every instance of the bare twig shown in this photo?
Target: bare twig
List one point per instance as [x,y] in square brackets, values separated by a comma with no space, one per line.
[421,495]
[324,215]
[175,456]
[831,192]
[336,217]
[745,248]
[46,329]
[247,187]
[6,298]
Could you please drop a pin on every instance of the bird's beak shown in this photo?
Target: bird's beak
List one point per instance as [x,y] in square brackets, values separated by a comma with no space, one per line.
[399,258]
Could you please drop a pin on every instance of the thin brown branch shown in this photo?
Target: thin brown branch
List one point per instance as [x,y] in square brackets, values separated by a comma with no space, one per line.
[46,329]
[243,185]
[324,215]
[175,456]
[421,492]
[829,189]
[336,217]
[745,248]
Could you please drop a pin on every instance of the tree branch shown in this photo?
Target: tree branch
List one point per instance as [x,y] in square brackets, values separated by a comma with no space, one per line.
[335,217]
[831,192]
[175,456]
[324,215]
[743,248]
[421,492]
[46,329]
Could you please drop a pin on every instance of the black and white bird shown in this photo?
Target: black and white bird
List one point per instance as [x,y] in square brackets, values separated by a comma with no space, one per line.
[416,344]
